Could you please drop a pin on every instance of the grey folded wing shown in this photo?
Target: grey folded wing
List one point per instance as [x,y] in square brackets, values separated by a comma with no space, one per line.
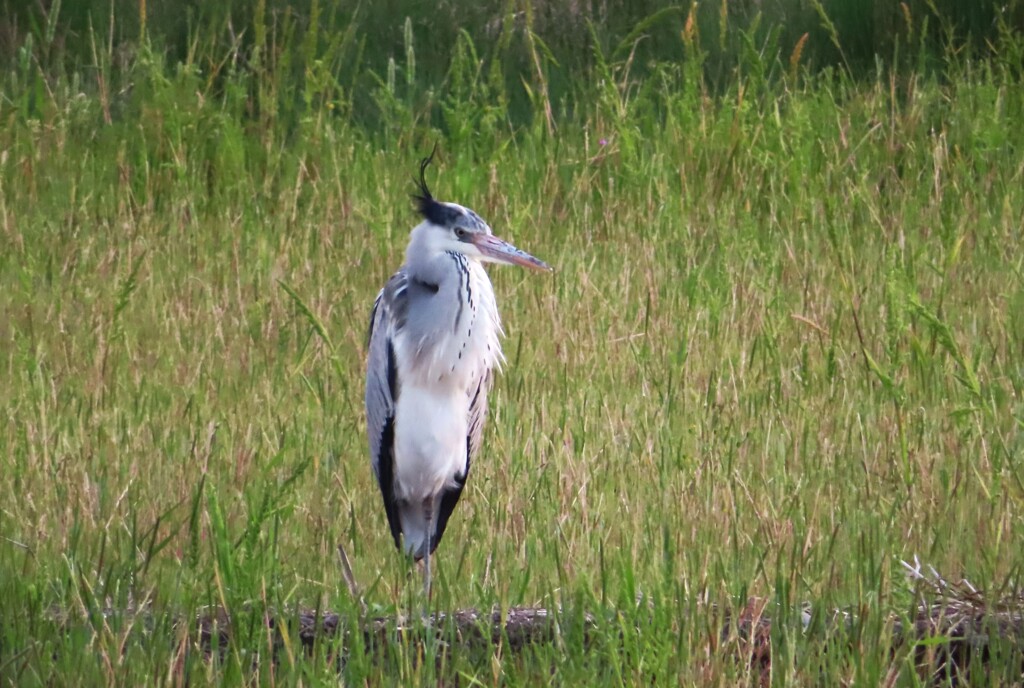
[382,389]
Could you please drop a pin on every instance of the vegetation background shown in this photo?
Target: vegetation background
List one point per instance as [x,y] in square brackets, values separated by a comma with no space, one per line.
[780,355]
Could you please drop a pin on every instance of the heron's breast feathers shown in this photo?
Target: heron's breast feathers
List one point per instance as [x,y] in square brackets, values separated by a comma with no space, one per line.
[457,350]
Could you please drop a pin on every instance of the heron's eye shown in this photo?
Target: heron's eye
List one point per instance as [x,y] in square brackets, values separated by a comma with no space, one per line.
[460,233]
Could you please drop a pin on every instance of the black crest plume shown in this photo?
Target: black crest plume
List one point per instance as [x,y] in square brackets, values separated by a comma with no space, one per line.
[426,204]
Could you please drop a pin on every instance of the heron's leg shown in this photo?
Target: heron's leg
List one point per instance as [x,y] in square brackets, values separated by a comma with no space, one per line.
[428,515]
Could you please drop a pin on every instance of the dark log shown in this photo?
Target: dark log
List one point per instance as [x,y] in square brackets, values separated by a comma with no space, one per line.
[966,625]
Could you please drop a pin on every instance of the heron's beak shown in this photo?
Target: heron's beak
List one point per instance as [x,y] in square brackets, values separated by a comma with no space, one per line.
[500,251]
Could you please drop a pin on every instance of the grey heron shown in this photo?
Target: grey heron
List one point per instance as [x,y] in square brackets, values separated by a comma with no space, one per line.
[433,346]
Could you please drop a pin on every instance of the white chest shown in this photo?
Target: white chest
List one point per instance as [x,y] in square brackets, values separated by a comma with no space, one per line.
[460,348]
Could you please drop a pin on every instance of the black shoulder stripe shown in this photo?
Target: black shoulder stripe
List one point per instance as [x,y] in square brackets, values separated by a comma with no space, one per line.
[386,479]
[385,462]
[432,287]
[373,319]
[392,373]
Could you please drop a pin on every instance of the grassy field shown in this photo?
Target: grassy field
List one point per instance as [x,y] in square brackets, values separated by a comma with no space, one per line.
[781,352]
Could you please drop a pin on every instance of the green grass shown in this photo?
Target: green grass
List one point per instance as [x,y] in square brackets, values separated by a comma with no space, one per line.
[781,352]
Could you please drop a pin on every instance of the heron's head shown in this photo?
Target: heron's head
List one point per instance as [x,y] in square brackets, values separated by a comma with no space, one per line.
[452,227]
